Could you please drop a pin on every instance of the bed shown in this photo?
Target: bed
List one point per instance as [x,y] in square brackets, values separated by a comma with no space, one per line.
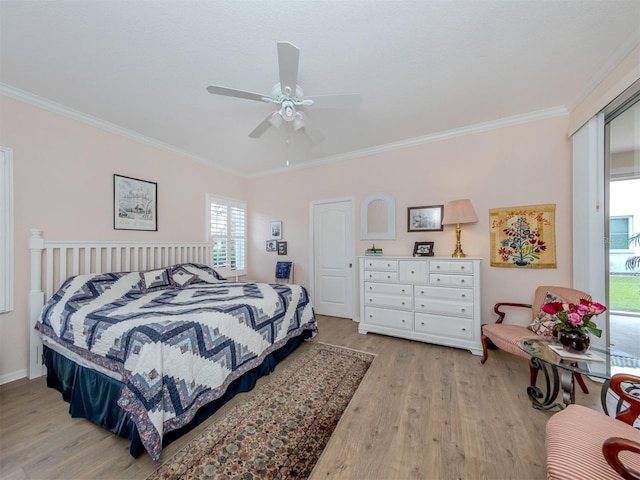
[151,350]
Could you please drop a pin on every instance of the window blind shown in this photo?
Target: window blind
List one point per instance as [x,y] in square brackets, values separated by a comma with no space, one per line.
[227,233]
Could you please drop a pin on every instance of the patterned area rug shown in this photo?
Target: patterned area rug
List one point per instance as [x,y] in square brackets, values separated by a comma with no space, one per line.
[281,430]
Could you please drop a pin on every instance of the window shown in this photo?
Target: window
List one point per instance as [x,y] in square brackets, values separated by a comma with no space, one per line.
[619,232]
[6,230]
[227,231]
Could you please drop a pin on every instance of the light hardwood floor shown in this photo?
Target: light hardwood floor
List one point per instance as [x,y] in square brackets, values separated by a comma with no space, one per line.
[422,412]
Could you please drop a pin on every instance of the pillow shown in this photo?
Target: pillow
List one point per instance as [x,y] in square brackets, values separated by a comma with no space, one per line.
[153,280]
[182,277]
[544,323]
[202,273]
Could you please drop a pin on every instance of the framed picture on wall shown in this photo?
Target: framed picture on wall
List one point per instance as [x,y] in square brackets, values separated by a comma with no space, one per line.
[425,219]
[271,245]
[135,204]
[282,248]
[276,230]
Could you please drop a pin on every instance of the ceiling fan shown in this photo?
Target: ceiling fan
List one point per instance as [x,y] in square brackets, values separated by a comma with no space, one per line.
[289,98]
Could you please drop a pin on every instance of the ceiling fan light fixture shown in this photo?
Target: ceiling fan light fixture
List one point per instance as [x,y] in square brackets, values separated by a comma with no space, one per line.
[287,111]
[276,119]
[298,122]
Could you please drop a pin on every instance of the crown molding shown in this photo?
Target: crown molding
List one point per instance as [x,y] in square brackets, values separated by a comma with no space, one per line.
[435,137]
[60,109]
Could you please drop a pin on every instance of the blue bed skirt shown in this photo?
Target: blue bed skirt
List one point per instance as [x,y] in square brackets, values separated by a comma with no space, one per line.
[94,396]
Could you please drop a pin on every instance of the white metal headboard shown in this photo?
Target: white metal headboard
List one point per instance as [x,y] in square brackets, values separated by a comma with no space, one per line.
[53,262]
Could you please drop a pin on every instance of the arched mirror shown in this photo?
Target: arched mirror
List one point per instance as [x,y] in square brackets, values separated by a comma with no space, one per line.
[378,217]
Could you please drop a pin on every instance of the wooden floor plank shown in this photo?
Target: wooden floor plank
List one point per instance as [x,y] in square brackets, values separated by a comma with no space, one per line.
[421,412]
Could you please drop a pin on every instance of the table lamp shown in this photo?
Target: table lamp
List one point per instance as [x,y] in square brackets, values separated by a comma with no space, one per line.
[455,213]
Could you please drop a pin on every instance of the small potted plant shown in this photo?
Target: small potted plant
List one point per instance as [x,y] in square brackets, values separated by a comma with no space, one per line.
[574,323]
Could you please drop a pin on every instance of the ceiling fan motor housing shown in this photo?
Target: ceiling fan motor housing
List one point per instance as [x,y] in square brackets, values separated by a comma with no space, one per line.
[280,96]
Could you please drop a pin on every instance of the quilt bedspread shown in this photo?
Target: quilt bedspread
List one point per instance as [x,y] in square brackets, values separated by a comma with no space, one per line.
[175,349]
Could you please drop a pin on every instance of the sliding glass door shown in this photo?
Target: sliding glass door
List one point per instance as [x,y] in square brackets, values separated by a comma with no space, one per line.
[622,195]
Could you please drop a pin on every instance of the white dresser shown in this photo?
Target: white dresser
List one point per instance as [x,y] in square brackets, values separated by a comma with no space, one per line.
[430,299]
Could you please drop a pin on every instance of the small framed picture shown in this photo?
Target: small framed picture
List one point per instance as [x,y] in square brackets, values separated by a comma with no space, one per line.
[425,219]
[282,248]
[271,245]
[276,230]
[135,204]
[423,249]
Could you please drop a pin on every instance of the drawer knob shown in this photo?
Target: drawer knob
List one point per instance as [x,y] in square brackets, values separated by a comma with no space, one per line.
[371,299]
[403,321]
[437,279]
[462,281]
[464,329]
[370,288]
[422,292]
[388,276]
[403,303]
[462,309]
[462,267]
[412,272]
[422,305]
[422,323]
[437,266]
[388,265]
[403,290]
[463,295]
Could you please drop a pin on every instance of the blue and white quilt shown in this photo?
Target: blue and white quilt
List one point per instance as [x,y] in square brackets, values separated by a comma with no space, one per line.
[175,337]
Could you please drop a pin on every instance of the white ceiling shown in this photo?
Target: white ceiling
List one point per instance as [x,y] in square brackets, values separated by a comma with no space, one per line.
[422,67]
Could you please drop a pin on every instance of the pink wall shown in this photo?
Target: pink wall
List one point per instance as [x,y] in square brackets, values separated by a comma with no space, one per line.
[63,184]
[526,164]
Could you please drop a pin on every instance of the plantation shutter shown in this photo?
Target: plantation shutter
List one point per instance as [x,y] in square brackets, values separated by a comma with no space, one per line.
[227,230]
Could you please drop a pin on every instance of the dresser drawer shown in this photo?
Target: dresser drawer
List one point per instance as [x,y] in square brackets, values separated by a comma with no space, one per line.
[460,294]
[444,307]
[451,280]
[380,276]
[413,271]
[393,301]
[398,289]
[448,266]
[444,326]
[380,264]
[388,318]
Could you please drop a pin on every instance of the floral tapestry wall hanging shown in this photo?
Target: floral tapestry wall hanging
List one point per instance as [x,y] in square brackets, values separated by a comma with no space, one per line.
[523,237]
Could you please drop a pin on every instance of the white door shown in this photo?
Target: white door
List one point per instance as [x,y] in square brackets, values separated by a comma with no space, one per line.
[332,261]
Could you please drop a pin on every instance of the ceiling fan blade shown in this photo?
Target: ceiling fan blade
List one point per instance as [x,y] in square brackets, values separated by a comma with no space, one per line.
[263,126]
[313,133]
[288,59]
[336,101]
[232,92]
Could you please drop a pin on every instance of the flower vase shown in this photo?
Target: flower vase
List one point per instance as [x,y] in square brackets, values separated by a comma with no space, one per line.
[574,342]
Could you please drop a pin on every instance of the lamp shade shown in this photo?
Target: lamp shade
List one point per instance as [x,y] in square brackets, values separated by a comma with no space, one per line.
[459,211]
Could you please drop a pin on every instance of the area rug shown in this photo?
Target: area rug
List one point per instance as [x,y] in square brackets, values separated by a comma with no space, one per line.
[282,428]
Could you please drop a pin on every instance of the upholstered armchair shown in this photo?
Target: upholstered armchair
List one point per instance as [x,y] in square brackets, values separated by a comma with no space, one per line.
[585,443]
[505,335]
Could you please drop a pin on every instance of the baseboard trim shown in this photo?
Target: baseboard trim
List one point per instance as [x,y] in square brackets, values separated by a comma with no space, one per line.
[11,377]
